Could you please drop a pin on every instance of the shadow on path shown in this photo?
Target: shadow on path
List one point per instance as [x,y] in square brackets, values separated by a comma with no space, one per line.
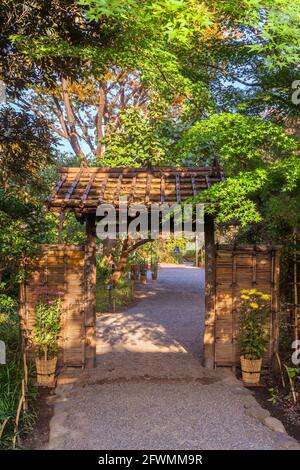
[165,323]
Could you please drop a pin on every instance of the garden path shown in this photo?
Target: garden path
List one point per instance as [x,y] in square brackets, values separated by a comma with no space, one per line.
[149,390]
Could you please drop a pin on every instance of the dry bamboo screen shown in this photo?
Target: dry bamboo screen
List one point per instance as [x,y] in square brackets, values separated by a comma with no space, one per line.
[237,268]
[59,268]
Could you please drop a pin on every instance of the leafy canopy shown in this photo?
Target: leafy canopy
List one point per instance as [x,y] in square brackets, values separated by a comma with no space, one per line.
[235,142]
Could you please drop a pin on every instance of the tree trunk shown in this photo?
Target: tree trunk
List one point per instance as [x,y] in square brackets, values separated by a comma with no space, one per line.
[99,123]
[122,262]
[72,135]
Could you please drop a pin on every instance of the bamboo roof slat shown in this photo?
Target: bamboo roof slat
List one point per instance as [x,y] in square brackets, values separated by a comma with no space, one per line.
[73,185]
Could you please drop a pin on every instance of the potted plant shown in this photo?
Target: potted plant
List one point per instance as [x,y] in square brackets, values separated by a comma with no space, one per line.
[253,314]
[45,339]
[134,272]
[154,270]
[143,273]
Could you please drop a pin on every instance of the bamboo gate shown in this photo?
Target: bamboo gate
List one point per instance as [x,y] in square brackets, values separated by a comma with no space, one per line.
[228,269]
[237,268]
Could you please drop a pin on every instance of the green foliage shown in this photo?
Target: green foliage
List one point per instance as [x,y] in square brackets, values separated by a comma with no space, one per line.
[23,227]
[122,295]
[294,379]
[234,199]
[137,257]
[259,195]
[253,315]
[47,327]
[213,79]
[10,334]
[268,28]
[26,146]
[277,24]
[236,142]
[8,304]
[11,375]
[177,20]
[72,233]
[158,251]
[26,149]
[143,267]
[42,40]
[154,266]
[274,395]
[293,372]
[103,270]
[136,142]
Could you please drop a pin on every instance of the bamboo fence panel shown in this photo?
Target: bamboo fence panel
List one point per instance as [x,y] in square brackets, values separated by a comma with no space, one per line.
[59,268]
[238,268]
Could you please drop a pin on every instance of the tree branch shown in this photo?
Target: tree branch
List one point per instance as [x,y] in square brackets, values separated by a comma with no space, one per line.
[99,121]
[71,120]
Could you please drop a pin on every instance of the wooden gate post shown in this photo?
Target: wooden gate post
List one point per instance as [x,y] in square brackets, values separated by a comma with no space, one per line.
[210,269]
[90,288]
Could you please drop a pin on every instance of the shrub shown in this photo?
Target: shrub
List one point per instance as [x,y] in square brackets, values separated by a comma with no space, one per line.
[11,375]
[7,304]
[122,295]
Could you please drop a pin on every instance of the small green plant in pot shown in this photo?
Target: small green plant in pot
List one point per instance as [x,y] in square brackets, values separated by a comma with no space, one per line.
[154,270]
[134,272]
[143,272]
[45,337]
[253,315]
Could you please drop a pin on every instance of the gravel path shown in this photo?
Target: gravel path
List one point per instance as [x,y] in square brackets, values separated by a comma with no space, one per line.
[149,390]
[168,316]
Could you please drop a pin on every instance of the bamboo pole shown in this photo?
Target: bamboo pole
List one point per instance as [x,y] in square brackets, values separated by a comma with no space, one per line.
[17,420]
[280,369]
[24,396]
[294,395]
[25,368]
[3,425]
[295,287]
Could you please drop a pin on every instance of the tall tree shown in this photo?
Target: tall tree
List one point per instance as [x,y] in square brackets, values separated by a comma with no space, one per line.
[26,149]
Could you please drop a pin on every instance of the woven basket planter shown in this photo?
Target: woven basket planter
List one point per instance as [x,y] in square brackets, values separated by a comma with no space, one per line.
[143,278]
[251,370]
[134,272]
[134,276]
[45,371]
